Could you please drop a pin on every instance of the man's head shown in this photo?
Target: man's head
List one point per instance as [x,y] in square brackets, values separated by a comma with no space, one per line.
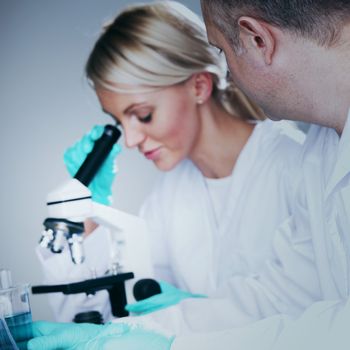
[277,50]
[318,20]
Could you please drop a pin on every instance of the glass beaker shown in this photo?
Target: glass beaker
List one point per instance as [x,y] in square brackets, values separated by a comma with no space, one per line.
[15,309]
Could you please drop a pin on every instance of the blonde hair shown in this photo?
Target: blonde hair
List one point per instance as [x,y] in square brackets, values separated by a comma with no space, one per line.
[150,46]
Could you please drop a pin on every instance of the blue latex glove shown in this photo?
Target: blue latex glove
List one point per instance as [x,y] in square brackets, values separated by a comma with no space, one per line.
[74,156]
[169,296]
[84,336]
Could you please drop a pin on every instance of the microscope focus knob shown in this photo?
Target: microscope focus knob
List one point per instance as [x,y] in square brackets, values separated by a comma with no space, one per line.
[89,317]
[146,288]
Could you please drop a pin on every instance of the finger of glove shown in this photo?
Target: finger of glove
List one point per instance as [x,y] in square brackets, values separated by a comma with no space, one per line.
[81,149]
[75,155]
[96,132]
[62,335]
[160,301]
[99,198]
[109,330]
[107,170]
[137,338]
[101,186]
[116,150]
[70,163]
[167,288]
[153,303]
[101,190]
[49,342]
[136,310]
[118,328]
[78,152]
[40,328]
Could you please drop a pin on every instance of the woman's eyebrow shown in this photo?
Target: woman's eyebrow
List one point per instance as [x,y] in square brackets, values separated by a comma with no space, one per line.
[132,106]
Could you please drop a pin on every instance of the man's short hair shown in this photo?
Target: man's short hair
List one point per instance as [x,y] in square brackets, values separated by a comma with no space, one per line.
[318,20]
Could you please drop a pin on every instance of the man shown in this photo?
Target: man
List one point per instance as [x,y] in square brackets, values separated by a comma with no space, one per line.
[293,58]
[289,56]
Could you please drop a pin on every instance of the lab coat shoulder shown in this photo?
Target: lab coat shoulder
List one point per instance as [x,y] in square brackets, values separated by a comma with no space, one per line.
[281,142]
[280,145]
[286,143]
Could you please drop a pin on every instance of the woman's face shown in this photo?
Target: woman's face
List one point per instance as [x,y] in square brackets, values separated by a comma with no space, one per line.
[163,124]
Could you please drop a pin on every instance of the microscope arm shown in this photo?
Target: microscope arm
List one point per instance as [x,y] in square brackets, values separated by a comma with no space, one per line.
[116,219]
[88,286]
[133,231]
[115,285]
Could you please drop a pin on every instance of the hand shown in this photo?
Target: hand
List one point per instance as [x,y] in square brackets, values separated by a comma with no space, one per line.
[169,296]
[84,336]
[51,335]
[74,156]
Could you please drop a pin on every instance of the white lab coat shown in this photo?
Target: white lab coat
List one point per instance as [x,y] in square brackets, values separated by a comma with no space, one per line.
[313,243]
[191,250]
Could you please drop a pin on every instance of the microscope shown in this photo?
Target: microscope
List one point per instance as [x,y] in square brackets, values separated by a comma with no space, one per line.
[69,206]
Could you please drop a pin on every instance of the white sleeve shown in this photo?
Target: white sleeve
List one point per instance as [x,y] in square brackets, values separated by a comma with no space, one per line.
[287,285]
[323,326]
[154,213]
[59,269]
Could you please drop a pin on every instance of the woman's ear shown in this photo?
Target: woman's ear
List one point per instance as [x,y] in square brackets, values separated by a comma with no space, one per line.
[203,86]
[258,38]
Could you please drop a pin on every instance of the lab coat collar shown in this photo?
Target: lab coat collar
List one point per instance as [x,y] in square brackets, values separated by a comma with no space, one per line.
[342,166]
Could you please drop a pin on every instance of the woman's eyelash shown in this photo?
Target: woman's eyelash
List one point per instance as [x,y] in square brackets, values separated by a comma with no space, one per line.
[146,119]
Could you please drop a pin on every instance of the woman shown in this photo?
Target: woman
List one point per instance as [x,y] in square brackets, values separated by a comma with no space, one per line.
[228,177]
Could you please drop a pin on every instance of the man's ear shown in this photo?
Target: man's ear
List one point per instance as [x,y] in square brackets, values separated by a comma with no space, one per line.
[203,86]
[258,35]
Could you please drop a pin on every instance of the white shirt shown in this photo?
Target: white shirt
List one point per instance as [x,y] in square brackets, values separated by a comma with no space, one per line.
[217,191]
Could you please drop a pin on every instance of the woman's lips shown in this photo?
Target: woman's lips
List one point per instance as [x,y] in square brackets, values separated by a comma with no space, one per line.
[153,154]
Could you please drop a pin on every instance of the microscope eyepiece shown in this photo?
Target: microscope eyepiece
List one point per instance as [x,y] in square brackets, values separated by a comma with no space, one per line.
[99,153]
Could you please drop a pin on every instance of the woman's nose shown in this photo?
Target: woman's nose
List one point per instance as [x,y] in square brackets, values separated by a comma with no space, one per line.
[133,136]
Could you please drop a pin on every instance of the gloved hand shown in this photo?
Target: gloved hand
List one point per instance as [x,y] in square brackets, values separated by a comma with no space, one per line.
[169,296]
[84,336]
[51,335]
[74,156]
